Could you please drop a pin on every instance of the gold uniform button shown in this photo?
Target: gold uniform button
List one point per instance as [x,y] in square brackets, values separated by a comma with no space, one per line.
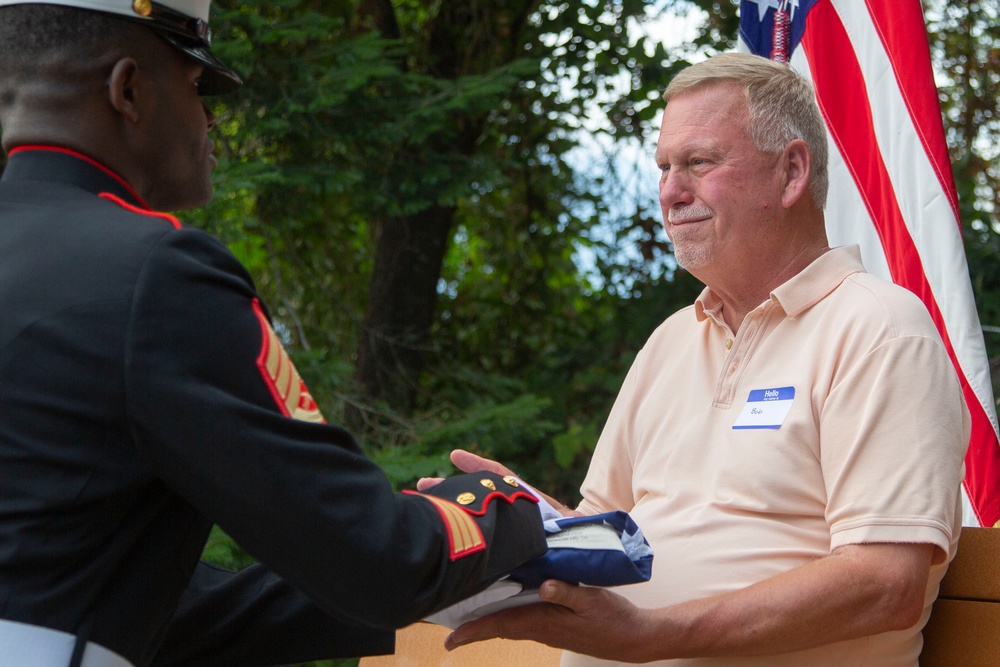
[466,499]
[142,7]
[488,483]
[512,481]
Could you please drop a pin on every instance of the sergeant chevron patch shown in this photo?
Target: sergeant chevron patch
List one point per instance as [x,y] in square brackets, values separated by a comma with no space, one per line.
[464,535]
[284,382]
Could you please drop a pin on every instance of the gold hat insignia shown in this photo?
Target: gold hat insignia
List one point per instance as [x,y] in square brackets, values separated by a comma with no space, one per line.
[142,7]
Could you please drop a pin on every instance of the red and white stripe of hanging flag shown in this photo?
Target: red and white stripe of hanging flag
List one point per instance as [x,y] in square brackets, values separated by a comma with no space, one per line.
[891,185]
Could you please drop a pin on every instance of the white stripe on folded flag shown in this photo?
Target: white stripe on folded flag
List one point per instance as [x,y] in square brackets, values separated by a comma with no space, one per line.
[891,185]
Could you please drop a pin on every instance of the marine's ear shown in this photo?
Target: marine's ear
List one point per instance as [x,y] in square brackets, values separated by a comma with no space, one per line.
[123,88]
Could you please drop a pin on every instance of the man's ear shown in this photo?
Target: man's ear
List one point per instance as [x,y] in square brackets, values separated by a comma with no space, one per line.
[123,89]
[797,163]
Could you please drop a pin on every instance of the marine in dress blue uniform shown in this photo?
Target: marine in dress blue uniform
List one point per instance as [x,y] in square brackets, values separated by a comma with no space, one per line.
[144,396]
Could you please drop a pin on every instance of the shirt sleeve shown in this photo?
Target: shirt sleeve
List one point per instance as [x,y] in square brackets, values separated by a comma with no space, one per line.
[608,484]
[893,435]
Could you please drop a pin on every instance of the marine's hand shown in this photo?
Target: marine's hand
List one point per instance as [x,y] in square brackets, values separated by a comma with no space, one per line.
[591,621]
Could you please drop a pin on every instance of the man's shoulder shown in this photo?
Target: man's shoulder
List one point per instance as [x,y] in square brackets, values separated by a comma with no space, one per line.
[678,331]
[88,230]
[872,297]
[67,208]
[680,320]
[129,227]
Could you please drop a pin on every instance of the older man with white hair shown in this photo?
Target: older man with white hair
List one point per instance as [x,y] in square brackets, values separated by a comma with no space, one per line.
[791,445]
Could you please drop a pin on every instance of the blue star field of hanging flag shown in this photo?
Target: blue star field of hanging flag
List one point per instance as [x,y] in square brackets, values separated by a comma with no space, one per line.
[773,28]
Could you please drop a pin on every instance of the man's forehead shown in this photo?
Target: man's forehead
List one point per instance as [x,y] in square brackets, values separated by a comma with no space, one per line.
[698,123]
[704,107]
[714,97]
[673,147]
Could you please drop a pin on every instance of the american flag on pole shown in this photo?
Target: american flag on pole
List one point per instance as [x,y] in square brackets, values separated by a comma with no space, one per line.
[891,184]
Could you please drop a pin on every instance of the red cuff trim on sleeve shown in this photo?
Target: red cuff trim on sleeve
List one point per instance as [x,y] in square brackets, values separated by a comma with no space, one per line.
[284,382]
[464,534]
[481,505]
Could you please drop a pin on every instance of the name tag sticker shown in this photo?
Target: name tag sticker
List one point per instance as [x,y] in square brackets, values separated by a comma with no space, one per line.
[766,408]
[586,536]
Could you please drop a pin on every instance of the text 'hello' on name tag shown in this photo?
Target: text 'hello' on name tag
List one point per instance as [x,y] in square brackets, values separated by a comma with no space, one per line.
[766,408]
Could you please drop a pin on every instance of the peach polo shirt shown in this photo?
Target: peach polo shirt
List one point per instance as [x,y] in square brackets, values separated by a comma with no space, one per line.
[855,432]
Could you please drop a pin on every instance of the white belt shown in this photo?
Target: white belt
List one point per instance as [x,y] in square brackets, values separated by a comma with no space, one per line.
[23,645]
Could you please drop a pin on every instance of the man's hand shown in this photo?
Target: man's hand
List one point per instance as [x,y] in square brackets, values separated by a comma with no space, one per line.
[858,590]
[469,462]
[466,462]
[591,621]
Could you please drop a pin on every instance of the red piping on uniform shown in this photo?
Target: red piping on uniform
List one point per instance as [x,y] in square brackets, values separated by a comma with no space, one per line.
[141,211]
[262,357]
[459,527]
[486,501]
[81,156]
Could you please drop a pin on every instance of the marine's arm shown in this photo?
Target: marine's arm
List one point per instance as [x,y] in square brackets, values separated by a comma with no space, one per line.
[254,617]
[233,434]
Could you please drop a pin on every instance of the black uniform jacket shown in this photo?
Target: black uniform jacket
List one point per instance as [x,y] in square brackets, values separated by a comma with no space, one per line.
[143,396]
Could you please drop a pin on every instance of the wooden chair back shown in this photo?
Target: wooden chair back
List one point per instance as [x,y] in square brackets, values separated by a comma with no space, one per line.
[964,628]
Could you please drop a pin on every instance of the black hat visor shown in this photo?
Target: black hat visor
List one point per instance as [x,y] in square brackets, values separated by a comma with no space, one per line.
[193,37]
[217,78]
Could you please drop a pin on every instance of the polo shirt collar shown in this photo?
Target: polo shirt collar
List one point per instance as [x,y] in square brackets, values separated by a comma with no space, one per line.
[802,291]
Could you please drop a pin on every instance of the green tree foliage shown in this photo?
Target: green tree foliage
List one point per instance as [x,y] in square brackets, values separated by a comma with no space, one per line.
[458,119]
[368,127]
